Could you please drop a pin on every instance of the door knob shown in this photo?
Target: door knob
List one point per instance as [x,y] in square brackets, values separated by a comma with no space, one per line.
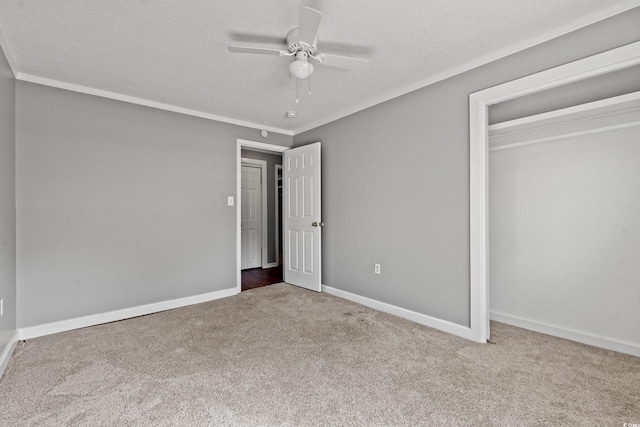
[315,224]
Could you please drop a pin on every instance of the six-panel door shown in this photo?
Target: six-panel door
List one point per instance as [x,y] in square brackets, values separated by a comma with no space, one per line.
[302,221]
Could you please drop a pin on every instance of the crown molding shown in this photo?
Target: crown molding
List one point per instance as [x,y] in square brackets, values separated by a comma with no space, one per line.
[502,53]
[144,102]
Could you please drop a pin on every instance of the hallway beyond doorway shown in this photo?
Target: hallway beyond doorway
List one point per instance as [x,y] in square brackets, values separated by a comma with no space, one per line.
[258,277]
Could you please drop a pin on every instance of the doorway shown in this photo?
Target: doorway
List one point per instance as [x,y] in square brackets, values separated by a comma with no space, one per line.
[259,277]
[259,208]
[607,62]
[562,204]
[301,204]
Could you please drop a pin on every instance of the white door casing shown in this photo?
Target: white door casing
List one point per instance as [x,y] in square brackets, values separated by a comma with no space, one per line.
[302,217]
[251,217]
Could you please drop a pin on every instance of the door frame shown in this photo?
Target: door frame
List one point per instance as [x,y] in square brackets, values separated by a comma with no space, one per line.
[277,213]
[264,243]
[479,102]
[247,144]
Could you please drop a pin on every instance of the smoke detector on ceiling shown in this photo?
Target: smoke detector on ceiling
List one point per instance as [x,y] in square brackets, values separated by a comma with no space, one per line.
[291,114]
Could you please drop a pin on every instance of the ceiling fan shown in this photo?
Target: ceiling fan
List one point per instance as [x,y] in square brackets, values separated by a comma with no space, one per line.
[302,42]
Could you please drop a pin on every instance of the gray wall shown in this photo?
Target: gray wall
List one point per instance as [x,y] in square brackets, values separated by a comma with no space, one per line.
[564,235]
[396,180]
[272,160]
[119,205]
[7,202]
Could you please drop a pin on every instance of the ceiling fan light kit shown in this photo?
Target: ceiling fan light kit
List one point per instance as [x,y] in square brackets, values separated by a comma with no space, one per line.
[301,68]
[302,42]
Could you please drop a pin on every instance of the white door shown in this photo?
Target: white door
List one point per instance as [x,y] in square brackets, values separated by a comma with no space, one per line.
[302,221]
[250,217]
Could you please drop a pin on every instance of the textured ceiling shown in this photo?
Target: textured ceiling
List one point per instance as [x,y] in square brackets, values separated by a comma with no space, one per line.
[176,52]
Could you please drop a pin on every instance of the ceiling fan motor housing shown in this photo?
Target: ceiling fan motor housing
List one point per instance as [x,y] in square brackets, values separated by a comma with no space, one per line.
[294,44]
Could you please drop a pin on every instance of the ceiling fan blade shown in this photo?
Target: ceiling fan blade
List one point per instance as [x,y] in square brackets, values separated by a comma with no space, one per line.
[353,64]
[242,37]
[308,25]
[261,50]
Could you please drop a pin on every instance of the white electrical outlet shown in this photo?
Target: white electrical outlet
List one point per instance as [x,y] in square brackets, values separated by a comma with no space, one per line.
[376,268]
[230,201]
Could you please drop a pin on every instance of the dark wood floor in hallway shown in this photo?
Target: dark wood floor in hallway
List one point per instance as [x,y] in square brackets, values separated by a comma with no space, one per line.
[258,277]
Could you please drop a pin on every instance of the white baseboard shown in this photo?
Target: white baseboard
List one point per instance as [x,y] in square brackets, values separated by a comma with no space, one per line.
[568,333]
[112,316]
[270,265]
[8,352]
[423,319]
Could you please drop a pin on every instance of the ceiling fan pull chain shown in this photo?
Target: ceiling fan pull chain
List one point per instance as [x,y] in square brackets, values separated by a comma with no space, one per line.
[309,85]
[297,92]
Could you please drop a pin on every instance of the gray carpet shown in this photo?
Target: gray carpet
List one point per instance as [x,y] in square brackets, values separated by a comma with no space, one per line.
[280,355]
